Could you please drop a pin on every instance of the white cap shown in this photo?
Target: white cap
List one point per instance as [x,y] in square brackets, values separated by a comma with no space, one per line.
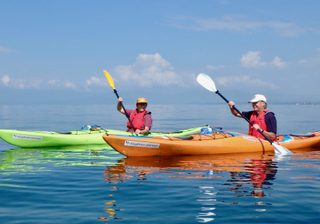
[257,98]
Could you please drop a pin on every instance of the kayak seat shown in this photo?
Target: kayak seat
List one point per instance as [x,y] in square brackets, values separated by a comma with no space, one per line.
[65,133]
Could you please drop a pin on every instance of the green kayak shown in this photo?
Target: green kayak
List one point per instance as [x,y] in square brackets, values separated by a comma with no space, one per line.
[35,139]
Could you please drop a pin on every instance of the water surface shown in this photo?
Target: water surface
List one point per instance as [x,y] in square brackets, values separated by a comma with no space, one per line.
[97,185]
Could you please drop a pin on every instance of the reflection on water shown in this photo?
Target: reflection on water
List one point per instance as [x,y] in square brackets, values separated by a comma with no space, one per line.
[207,187]
[43,159]
[258,172]
[204,166]
[216,184]
[111,206]
[207,200]
[247,175]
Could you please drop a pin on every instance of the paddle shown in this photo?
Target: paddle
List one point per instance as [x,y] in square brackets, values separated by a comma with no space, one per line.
[209,84]
[111,84]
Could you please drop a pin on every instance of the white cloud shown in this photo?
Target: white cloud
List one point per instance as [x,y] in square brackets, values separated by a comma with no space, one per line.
[94,81]
[245,79]
[53,83]
[35,83]
[5,79]
[26,84]
[18,83]
[312,61]
[236,24]
[70,85]
[278,62]
[253,59]
[148,70]
[284,29]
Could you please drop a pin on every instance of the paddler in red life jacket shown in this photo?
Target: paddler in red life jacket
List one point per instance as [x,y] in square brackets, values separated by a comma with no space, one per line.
[261,118]
[141,118]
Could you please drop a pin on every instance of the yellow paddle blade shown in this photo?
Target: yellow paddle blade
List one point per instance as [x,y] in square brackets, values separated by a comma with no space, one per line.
[109,78]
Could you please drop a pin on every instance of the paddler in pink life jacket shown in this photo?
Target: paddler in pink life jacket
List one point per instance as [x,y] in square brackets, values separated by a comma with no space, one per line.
[261,118]
[140,118]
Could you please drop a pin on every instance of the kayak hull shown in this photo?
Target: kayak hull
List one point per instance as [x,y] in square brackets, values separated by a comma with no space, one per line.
[198,145]
[35,139]
[217,143]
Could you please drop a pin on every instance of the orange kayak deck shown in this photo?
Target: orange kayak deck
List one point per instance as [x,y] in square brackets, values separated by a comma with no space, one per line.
[198,144]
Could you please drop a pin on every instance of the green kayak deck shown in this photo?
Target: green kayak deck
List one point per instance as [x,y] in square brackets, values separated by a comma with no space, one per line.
[35,139]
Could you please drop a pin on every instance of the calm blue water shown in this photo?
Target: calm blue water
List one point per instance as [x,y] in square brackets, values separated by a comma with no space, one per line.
[97,185]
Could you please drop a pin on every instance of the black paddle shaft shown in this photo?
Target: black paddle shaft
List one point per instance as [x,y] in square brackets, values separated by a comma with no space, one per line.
[125,111]
[236,109]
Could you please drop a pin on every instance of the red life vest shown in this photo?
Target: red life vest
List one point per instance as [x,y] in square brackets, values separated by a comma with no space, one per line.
[137,119]
[258,118]
[258,172]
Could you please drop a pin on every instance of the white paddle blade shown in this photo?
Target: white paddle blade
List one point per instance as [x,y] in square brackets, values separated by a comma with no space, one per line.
[280,150]
[206,82]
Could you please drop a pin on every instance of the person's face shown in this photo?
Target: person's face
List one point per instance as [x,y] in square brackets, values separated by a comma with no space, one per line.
[141,106]
[258,106]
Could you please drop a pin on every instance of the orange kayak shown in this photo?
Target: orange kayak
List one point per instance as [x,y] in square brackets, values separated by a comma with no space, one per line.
[211,144]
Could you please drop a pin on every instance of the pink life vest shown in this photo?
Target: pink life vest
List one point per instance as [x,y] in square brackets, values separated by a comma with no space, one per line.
[258,118]
[137,119]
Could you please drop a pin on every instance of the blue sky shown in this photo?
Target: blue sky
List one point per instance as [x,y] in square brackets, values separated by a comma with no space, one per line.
[55,51]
